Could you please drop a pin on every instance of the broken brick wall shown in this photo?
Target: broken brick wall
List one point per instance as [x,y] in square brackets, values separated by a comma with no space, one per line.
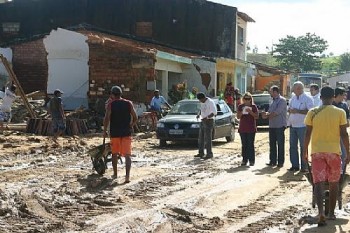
[112,63]
[30,65]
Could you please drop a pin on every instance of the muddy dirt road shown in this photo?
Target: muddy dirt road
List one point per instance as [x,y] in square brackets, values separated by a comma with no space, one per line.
[45,188]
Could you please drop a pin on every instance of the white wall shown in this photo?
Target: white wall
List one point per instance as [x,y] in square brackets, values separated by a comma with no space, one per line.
[194,79]
[68,70]
[164,67]
[333,81]
[241,48]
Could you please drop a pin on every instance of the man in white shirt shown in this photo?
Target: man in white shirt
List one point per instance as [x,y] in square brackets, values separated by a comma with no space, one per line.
[299,105]
[315,93]
[5,107]
[207,113]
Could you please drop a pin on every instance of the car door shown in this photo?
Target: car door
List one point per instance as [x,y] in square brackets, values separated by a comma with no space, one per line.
[227,119]
[222,121]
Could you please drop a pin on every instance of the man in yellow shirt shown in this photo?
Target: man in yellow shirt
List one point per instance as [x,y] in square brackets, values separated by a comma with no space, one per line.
[325,125]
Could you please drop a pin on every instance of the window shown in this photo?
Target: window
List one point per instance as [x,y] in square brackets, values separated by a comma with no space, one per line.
[223,108]
[240,38]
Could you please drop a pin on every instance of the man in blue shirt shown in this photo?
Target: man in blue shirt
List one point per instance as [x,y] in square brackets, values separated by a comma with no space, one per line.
[277,116]
[158,102]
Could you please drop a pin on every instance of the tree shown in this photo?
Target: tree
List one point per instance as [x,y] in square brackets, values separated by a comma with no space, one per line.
[344,61]
[300,53]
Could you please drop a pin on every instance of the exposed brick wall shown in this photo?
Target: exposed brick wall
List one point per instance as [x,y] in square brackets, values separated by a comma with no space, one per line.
[114,63]
[30,65]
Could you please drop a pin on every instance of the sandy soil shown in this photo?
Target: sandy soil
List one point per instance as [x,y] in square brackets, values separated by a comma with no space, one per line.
[45,188]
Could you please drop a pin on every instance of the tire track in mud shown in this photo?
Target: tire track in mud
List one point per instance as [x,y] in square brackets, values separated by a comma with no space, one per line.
[269,209]
[253,217]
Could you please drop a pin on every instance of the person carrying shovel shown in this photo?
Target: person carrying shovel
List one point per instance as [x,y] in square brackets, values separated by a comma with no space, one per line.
[120,117]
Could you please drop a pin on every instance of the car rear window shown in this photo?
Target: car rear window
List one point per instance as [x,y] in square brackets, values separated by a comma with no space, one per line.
[261,99]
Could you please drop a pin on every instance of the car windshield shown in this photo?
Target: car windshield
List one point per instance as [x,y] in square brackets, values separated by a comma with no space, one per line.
[185,108]
[261,99]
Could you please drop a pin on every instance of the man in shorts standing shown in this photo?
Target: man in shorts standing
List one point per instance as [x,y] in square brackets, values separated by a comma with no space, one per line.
[120,117]
[325,126]
[57,114]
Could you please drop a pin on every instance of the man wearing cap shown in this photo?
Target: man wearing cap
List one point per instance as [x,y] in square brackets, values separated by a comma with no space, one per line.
[7,101]
[57,114]
[120,117]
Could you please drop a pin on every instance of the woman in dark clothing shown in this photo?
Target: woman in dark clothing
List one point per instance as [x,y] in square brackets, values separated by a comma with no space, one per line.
[247,113]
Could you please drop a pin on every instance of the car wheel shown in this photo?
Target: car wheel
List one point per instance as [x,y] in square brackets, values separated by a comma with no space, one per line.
[232,135]
[162,142]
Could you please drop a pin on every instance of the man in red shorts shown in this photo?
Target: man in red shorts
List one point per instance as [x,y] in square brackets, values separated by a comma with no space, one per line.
[120,117]
[325,125]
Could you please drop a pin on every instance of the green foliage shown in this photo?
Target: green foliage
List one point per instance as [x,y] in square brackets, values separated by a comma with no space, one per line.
[300,53]
[344,61]
[330,64]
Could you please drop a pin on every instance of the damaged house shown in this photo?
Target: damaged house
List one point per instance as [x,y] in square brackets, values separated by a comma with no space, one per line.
[85,47]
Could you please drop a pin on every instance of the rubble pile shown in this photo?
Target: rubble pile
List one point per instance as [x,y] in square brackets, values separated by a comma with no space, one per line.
[21,115]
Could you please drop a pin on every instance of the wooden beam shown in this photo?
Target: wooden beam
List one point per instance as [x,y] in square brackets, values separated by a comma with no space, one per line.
[19,87]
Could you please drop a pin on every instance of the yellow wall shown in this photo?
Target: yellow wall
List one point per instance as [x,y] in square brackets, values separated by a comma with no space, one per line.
[225,69]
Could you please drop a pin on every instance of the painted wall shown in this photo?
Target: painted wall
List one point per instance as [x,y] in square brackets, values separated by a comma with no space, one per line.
[202,74]
[225,71]
[68,70]
[263,83]
[166,75]
[241,78]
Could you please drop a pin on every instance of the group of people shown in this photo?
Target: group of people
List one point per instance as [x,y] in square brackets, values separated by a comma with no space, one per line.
[320,119]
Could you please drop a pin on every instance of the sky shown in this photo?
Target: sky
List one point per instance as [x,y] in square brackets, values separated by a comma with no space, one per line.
[275,19]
